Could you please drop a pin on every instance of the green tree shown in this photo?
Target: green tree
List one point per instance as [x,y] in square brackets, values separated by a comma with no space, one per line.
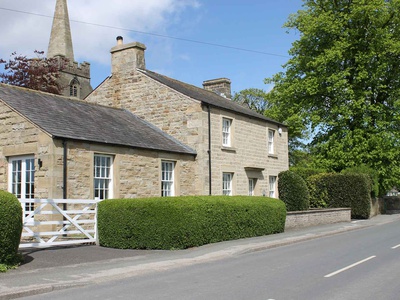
[38,73]
[342,82]
[255,99]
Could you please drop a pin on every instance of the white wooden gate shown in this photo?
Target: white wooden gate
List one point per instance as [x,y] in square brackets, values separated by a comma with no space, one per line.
[48,222]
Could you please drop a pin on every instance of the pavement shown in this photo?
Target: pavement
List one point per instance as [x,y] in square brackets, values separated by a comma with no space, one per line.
[50,269]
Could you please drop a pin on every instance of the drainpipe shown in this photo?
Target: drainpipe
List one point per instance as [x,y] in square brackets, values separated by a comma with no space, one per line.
[65,158]
[209,148]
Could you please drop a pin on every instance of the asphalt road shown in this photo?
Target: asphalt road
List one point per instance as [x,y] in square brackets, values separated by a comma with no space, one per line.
[361,264]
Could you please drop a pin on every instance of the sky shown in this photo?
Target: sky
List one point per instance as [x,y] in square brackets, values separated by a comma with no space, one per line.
[188,40]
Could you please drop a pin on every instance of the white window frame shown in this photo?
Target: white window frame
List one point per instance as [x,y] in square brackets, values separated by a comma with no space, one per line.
[227,186]
[27,179]
[271,141]
[103,176]
[167,178]
[272,187]
[252,185]
[226,132]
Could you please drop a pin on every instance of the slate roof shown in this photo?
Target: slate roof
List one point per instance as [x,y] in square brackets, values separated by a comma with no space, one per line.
[206,96]
[66,118]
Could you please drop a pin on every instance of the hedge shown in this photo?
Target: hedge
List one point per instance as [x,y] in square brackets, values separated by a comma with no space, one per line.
[372,175]
[305,173]
[293,191]
[10,228]
[342,190]
[183,222]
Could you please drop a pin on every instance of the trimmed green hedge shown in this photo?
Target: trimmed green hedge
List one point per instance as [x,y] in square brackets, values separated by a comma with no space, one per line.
[342,190]
[293,191]
[183,222]
[10,228]
[372,175]
[305,173]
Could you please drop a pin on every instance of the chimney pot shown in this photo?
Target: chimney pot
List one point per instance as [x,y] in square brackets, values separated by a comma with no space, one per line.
[120,40]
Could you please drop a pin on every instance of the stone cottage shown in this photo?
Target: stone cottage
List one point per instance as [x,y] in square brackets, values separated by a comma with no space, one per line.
[138,134]
[239,152]
[58,147]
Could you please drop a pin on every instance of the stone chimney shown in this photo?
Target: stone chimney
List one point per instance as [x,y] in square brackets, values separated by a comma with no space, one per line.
[220,86]
[127,58]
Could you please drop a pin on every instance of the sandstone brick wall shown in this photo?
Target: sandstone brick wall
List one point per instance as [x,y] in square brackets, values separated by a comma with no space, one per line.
[21,138]
[136,172]
[186,120]
[175,114]
[317,217]
[248,156]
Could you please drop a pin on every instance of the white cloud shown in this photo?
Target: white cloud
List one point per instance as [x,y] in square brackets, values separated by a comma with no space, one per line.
[26,32]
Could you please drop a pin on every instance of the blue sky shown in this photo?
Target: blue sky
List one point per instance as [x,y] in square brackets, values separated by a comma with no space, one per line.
[254,25]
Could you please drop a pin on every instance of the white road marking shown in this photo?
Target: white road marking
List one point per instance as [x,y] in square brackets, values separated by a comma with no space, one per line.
[349,267]
[396,246]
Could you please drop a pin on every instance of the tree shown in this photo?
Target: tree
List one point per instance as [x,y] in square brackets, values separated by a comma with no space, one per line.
[343,80]
[255,99]
[34,73]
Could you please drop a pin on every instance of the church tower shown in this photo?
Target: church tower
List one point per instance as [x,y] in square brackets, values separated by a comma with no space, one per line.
[75,77]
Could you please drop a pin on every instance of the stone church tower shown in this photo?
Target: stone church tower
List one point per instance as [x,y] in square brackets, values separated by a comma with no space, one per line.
[75,77]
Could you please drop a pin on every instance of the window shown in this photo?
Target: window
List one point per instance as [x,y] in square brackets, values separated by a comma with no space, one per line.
[271,137]
[252,184]
[226,132]
[21,181]
[167,178]
[227,184]
[74,88]
[102,176]
[272,186]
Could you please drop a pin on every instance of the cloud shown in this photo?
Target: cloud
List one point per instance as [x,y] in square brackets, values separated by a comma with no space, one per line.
[29,31]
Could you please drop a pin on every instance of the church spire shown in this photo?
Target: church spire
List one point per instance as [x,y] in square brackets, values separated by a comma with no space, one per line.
[60,38]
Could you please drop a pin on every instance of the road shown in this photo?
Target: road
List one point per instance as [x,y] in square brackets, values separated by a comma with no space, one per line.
[360,264]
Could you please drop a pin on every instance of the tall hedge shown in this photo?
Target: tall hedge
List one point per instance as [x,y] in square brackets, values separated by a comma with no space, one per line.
[182,222]
[343,190]
[293,191]
[305,173]
[372,175]
[10,228]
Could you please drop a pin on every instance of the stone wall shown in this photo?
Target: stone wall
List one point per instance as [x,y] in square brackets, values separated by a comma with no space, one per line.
[136,172]
[21,138]
[187,120]
[298,219]
[391,205]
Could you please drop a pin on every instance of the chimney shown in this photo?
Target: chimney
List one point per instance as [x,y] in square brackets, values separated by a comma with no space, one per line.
[220,86]
[127,58]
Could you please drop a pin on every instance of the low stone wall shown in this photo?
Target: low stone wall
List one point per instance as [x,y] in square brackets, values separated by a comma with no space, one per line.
[391,205]
[298,219]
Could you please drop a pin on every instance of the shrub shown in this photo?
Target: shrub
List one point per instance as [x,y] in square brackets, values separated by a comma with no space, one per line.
[372,176]
[293,191]
[182,222]
[305,173]
[10,228]
[340,190]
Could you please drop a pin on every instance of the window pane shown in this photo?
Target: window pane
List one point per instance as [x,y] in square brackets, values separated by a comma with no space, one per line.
[271,134]
[272,186]
[102,176]
[167,178]
[226,132]
[227,183]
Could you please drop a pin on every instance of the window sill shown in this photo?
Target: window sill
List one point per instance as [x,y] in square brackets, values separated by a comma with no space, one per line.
[228,149]
[275,156]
